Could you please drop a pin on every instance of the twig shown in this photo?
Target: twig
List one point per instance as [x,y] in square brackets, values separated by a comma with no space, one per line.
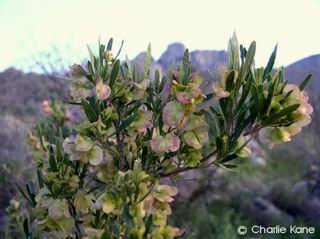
[74,215]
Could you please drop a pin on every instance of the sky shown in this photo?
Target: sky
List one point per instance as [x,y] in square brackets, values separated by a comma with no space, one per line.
[28,28]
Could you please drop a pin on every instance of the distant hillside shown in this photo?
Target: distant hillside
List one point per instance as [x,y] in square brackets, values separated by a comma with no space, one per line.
[21,94]
[202,61]
[296,72]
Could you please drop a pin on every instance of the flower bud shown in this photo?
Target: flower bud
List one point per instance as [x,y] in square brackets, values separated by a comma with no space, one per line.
[46,108]
[109,56]
[103,91]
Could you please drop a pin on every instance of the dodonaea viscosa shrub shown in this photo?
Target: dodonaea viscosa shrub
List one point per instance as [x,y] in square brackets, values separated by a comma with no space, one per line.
[101,178]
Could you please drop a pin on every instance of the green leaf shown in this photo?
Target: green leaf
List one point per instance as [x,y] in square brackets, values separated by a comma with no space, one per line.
[39,134]
[105,235]
[246,91]
[148,224]
[186,68]
[230,167]
[213,126]
[89,111]
[256,98]
[92,57]
[147,63]
[248,60]
[72,103]
[127,217]
[130,68]
[97,217]
[129,120]
[228,158]
[109,46]
[114,73]
[26,230]
[52,161]
[163,82]
[241,126]
[243,53]
[135,107]
[270,64]
[144,157]
[31,190]
[285,111]
[270,96]
[91,72]
[120,49]
[40,178]
[126,123]
[233,53]
[231,78]
[157,81]
[208,97]
[101,53]
[305,82]
[30,201]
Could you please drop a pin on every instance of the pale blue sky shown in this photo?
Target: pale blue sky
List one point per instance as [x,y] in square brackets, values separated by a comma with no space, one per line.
[28,27]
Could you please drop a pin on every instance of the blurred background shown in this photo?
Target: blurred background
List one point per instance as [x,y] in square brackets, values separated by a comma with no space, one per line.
[41,39]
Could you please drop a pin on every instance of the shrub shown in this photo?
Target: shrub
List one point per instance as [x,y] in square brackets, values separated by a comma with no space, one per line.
[102,178]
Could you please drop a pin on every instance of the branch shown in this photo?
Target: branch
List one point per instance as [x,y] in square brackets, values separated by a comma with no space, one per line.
[73,213]
[180,170]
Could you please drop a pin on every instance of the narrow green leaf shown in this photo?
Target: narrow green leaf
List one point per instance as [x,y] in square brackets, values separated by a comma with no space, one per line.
[246,91]
[208,97]
[157,81]
[230,167]
[163,82]
[40,178]
[243,53]
[270,96]
[186,68]
[25,196]
[248,60]
[233,53]
[148,224]
[144,157]
[39,134]
[130,68]
[91,72]
[228,158]
[129,120]
[101,53]
[135,106]
[285,111]
[147,63]
[89,111]
[72,103]
[256,98]
[26,229]
[109,46]
[92,57]
[114,73]
[120,49]
[305,82]
[126,123]
[270,64]
[127,217]
[52,161]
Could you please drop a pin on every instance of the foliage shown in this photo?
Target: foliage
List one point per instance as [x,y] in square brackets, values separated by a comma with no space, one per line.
[226,202]
[101,178]
[218,220]
[14,228]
